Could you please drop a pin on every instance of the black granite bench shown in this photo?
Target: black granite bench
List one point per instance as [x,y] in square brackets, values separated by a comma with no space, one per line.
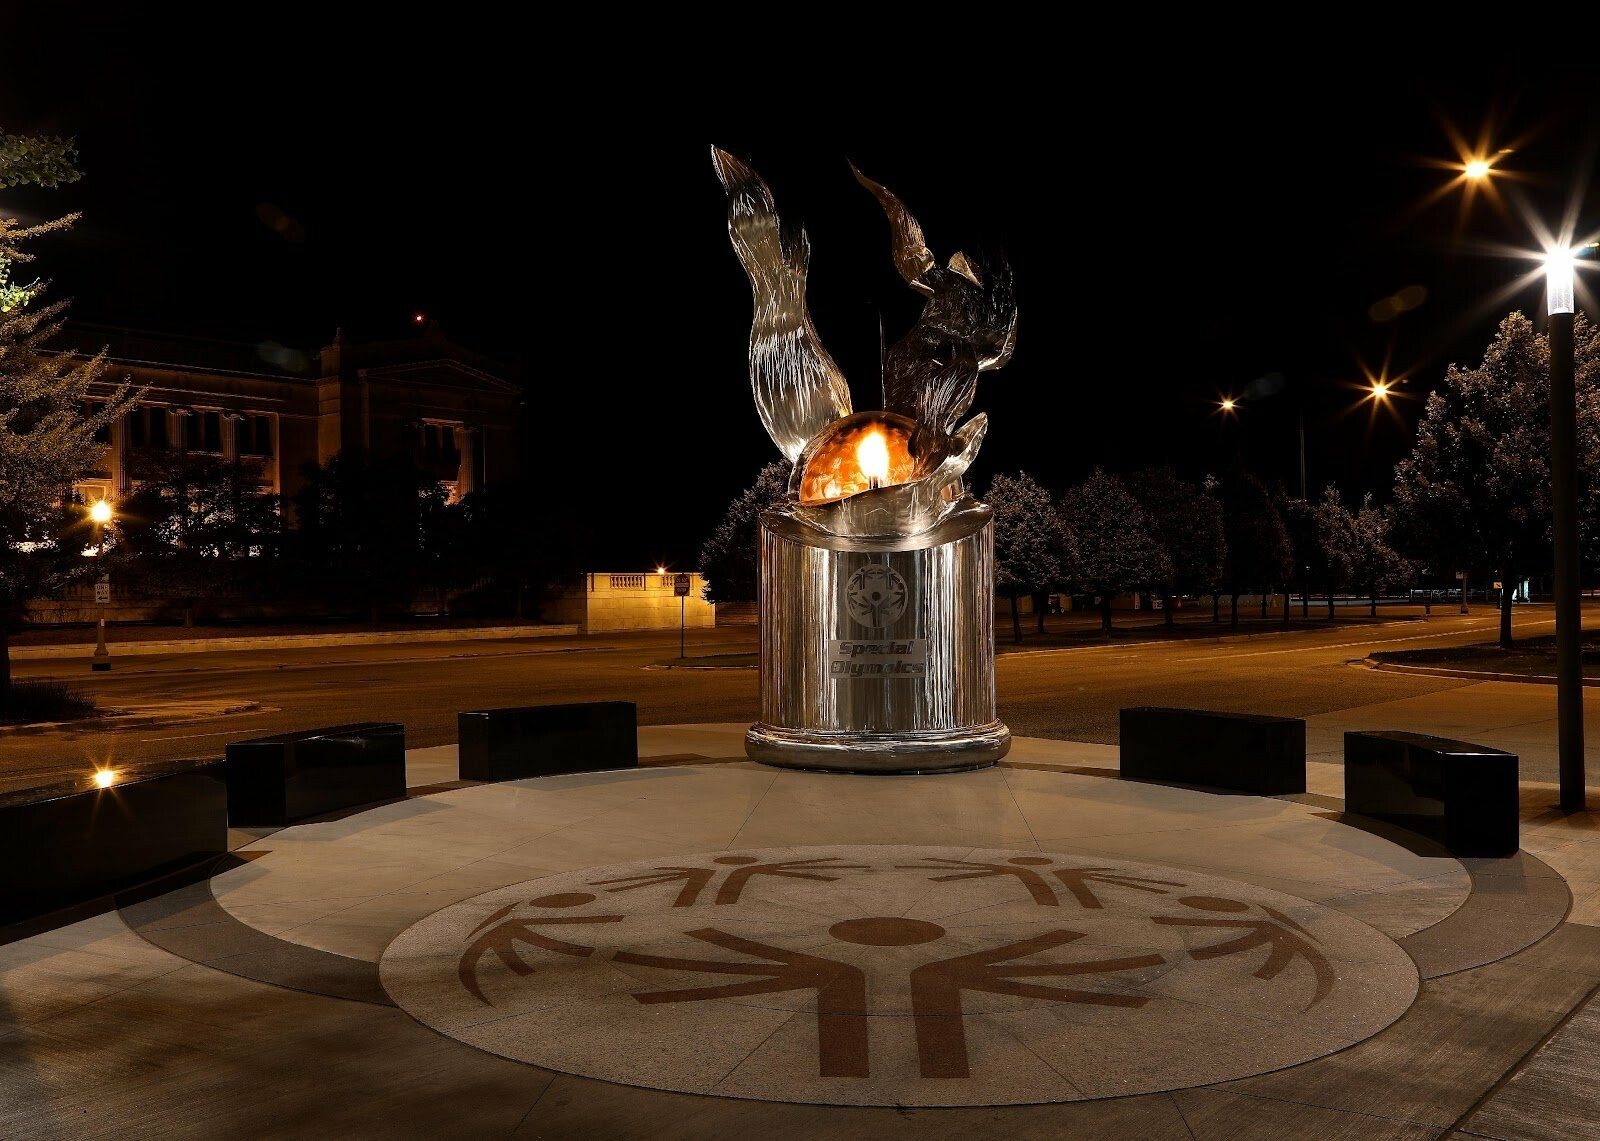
[1245,752]
[72,842]
[542,740]
[1460,794]
[292,776]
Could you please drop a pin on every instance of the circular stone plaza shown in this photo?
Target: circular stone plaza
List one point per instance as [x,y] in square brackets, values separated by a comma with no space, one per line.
[706,947]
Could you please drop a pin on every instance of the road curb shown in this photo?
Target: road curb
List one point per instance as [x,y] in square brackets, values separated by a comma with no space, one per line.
[291,641]
[146,718]
[1467,675]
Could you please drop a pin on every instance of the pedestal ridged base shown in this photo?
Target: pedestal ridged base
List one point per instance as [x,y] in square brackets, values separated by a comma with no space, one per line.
[928,751]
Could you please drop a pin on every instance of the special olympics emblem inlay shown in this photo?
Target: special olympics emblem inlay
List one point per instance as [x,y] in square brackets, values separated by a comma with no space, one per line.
[899,975]
[876,595]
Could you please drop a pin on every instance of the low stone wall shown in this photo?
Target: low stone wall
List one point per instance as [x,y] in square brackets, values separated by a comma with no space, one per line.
[603,602]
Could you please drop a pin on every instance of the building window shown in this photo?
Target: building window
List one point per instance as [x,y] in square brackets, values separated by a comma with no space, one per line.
[147,427]
[439,445]
[211,431]
[255,436]
[102,434]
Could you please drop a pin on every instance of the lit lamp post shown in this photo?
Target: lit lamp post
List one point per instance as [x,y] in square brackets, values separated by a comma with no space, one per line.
[1564,494]
[100,513]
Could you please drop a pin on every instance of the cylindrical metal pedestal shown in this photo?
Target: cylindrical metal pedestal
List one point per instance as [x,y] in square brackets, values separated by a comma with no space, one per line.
[878,655]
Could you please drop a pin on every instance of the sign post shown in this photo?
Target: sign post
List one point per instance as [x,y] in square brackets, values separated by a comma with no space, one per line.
[680,587]
[102,594]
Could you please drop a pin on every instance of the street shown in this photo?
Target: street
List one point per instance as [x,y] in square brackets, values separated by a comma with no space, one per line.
[1071,693]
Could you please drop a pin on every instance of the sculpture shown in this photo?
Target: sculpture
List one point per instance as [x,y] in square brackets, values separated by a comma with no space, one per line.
[879,533]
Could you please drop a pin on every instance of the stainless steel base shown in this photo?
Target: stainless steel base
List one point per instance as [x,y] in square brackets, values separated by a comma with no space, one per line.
[877,654]
[929,751]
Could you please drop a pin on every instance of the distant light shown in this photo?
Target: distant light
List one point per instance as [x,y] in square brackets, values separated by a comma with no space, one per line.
[101,511]
[1476,170]
[105,778]
[419,318]
[661,570]
[1380,389]
[1558,280]
[1227,404]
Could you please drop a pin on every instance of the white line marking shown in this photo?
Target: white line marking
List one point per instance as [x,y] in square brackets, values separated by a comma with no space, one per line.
[1347,645]
[188,736]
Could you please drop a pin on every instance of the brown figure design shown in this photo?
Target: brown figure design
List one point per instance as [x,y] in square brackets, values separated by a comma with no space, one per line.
[841,992]
[936,988]
[1075,880]
[501,938]
[1277,932]
[936,993]
[745,868]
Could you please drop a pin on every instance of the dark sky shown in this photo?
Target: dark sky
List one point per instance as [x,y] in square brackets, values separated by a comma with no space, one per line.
[1183,233]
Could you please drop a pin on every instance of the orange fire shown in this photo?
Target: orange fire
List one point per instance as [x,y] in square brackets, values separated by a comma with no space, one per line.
[862,453]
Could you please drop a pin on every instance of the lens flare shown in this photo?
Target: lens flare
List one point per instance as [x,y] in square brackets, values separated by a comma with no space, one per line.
[105,778]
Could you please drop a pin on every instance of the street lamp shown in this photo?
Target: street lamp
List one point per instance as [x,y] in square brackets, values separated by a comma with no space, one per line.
[100,513]
[1558,270]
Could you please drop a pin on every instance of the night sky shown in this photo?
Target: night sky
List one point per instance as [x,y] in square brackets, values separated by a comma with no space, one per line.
[1202,230]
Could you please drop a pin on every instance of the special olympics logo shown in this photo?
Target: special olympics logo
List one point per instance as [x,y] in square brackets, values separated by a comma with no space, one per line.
[898,975]
[876,595]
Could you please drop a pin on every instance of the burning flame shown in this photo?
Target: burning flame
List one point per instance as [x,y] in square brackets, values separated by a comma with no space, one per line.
[872,456]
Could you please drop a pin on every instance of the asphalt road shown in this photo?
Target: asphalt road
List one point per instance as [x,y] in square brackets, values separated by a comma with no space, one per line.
[1071,693]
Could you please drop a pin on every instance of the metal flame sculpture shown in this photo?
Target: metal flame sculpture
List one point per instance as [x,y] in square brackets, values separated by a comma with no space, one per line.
[877,643]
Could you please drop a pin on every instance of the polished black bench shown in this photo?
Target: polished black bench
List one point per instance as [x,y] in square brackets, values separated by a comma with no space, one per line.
[1460,794]
[543,740]
[287,777]
[1244,752]
[75,841]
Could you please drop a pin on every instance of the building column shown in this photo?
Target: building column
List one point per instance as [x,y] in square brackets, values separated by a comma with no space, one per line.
[121,480]
[466,470]
[230,435]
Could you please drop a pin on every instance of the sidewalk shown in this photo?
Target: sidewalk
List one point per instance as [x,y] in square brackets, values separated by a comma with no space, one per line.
[124,647]
[331,963]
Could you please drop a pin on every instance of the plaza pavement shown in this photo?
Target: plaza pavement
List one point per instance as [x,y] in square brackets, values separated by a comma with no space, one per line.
[707,948]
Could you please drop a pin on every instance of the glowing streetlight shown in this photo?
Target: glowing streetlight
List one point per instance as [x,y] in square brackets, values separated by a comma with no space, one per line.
[1227,404]
[1558,272]
[105,778]
[101,512]
[1380,390]
[1477,170]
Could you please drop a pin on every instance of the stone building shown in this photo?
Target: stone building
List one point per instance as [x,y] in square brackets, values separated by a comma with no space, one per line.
[451,410]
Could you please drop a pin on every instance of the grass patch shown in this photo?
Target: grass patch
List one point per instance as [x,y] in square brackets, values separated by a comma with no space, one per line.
[43,699]
[712,662]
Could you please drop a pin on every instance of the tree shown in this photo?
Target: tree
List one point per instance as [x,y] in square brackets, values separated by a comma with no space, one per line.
[1187,521]
[199,527]
[1331,544]
[1375,565]
[1476,488]
[1032,550]
[730,561]
[521,566]
[361,535]
[1116,548]
[1258,543]
[47,433]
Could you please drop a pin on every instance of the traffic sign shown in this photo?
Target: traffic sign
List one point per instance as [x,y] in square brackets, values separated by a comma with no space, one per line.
[680,585]
[102,592]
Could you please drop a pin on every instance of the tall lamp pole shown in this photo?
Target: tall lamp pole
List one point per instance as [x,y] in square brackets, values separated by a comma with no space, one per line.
[101,514]
[1564,493]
